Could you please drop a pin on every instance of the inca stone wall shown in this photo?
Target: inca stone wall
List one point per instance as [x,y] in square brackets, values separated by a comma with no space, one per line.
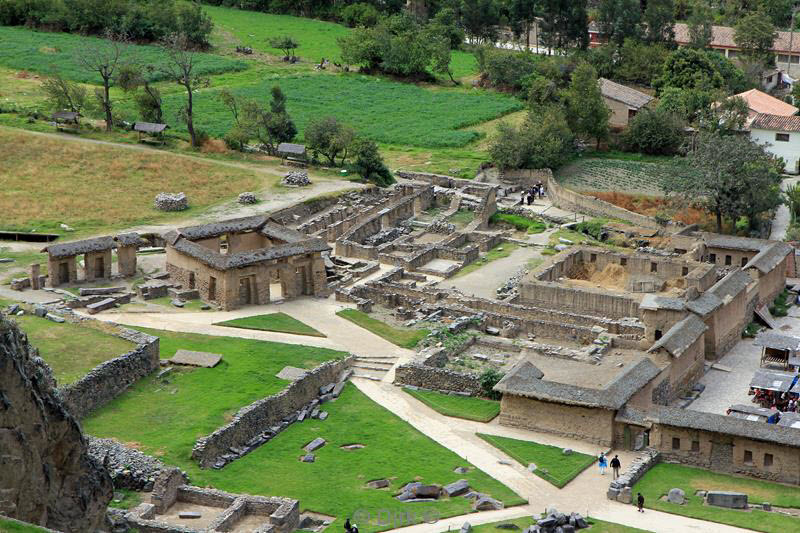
[110,379]
[439,379]
[253,419]
[620,488]
[47,476]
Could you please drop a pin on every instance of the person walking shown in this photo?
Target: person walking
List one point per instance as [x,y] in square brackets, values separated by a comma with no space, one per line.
[615,466]
[640,502]
[602,462]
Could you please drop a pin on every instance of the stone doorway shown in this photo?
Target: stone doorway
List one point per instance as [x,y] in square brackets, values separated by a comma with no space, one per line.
[63,273]
[245,291]
[99,267]
[191,280]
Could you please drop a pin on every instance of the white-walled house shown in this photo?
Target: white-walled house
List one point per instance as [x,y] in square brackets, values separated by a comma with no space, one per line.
[781,134]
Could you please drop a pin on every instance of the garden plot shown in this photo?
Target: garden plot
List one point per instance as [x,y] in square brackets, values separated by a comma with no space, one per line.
[617,175]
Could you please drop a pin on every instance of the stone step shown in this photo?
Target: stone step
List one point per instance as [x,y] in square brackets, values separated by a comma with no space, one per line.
[375,362]
[376,357]
[364,376]
[374,368]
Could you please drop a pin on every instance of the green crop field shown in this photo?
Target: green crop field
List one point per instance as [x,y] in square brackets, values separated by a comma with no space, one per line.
[47,53]
[635,177]
[382,110]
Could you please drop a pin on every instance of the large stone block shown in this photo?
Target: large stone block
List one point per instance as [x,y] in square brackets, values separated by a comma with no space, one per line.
[731,500]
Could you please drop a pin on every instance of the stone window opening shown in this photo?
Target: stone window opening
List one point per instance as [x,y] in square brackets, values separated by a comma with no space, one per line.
[727,260]
[593,258]
[653,267]
[744,261]
[99,267]
[658,334]
[623,261]
[684,271]
[676,443]
[748,457]
[712,258]
[695,445]
[768,459]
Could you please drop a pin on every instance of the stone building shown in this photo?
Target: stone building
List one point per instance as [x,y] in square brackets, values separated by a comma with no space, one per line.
[251,260]
[97,258]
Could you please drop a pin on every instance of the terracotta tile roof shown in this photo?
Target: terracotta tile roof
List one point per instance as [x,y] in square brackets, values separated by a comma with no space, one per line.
[763,121]
[624,94]
[760,102]
[723,36]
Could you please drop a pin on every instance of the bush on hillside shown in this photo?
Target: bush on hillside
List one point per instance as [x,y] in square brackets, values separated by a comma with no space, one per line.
[654,132]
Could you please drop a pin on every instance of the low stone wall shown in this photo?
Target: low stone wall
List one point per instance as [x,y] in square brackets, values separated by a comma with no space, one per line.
[439,379]
[526,177]
[128,468]
[259,416]
[110,379]
[620,488]
[573,201]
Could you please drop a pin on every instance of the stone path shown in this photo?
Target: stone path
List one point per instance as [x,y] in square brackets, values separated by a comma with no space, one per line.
[782,216]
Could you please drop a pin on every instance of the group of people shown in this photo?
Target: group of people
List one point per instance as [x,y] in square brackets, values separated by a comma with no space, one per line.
[784,402]
[529,195]
[616,464]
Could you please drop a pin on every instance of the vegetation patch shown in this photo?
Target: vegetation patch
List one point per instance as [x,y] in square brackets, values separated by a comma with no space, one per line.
[500,251]
[403,337]
[663,477]
[467,407]
[280,322]
[71,350]
[12,526]
[520,223]
[626,176]
[552,464]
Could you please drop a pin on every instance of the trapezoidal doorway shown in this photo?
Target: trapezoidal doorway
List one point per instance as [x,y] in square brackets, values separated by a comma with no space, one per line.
[245,291]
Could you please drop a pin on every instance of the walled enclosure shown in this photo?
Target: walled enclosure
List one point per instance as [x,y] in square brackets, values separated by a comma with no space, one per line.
[61,258]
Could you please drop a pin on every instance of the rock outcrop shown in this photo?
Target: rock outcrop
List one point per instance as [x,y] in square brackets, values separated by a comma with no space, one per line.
[46,475]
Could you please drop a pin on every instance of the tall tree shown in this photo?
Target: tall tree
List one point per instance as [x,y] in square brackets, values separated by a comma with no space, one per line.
[63,94]
[329,137]
[565,24]
[480,19]
[180,68]
[701,21]
[521,14]
[133,76]
[104,57]
[587,113]
[755,35]
[730,176]
[369,164]
[619,19]
[659,18]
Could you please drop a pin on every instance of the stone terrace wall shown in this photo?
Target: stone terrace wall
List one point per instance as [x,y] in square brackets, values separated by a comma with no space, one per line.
[526,176]
[440,379]
[573,201]
[108,380]
[620,489]
[253,419]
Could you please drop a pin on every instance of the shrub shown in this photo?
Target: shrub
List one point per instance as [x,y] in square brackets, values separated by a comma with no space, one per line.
[488,380]
[359,14]
[545,143]
[369,164]
[504,69]
[654,132]
[236,138]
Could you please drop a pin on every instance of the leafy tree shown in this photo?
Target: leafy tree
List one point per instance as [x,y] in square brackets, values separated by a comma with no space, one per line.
[730,176]
[504,68]
[270,125]
[619,19]
[133,76]
[654,132]
[62,94]
[329,137]
[520,14]
[700,24]
[565,24]
[180,68]
[104,57]
[725,116]
[686,68]
[755,35]
[640,62]
[542,141]
[359,14]
[543,92]
[587,113]
[369,164]
[735,80]
[445,23]
[488,379]
[687,104]
[285,43]
[659,19]
[480,19]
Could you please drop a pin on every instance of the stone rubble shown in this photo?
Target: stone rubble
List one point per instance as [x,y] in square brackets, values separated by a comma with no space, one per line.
[171,202]
[247,198]
[296,178]
[129,469]
[553,521]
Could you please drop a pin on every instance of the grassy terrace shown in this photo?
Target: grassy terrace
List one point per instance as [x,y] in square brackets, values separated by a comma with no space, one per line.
[280,322]
[597,526]
[12,526]
[500,251]
[403,337]
[663,477]
[552,465]
[467,407]
[70,349]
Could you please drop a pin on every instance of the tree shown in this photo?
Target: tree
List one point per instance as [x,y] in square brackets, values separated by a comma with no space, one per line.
[520,14]
[133,76]
[755,35]
[445,23]
[619,20]
[700,24]
[480,19]
[686,68]
[543,92]
[359,14]
[565,23]
[687,104]
[369,164]
[271,125]
[659,19]
[104,57]
[488,380]
[654,132]
[180,68]
[285,43]
[725,116]
[729,176]
[587,113]
[543,141]
[329,137]
[641,62]
[63,94]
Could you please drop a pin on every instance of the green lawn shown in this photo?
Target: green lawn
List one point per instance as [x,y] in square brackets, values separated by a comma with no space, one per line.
[166,416]
[663,477]
[403,337]
[47,53]
[500,251]
[597,526]
[552,464]
[468,407]
[280,322]
[379,109]
[12,526]
[521,223]
[70,349]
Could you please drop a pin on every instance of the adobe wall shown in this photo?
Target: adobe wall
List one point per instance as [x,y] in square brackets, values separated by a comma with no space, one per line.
[771,283]
[725,326]
[108,380]
[438,379]
[594,425]
[619,112]
[572,201]
[253,419]
[580,300]
[53,270]
[738,258]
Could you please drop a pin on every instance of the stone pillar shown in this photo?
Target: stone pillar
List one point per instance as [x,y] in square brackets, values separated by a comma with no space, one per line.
[34,274]
[126,261]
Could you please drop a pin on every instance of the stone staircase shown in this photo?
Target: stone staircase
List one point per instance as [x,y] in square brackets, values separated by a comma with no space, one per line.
[373,367]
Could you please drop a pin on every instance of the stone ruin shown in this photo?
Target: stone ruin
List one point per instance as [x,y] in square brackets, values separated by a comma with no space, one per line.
[296,178]
[247,198]
[171,201]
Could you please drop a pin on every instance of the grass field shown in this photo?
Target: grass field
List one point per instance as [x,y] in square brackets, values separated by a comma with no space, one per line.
[70,349]
[12,526]
[663,477]
[520,223]
[597,526]
[47,53]
[403,337]
[640,177]
[280,322]
[552,465]
[48,181]
[165,416]
[382,110]
[500,251]
[467,407]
